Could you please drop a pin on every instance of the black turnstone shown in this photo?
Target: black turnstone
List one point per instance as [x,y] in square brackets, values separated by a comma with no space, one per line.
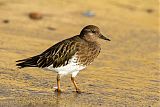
[70,55]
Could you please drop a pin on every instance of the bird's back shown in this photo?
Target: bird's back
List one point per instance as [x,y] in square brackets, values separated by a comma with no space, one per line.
[60,53]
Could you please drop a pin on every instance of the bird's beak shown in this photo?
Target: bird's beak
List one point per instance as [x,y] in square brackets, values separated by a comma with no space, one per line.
[103,37]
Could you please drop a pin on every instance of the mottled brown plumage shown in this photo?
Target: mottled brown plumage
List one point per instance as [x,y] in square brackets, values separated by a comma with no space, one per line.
[78,51]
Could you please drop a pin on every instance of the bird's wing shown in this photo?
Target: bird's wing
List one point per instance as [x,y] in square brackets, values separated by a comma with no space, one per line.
[57,55]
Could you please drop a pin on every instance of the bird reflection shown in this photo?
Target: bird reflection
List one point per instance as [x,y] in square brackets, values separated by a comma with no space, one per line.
[60,97]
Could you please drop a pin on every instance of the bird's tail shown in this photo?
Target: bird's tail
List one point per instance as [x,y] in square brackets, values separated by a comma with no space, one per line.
[28,62]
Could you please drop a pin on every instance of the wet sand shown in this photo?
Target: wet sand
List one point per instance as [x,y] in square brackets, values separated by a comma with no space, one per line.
[126,73]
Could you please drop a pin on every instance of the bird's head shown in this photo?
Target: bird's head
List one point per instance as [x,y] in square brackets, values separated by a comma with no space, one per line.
[92,33]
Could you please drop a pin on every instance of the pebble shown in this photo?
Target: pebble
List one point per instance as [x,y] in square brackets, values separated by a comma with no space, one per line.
[5,21]
[35,16]
[149,10]
[89,13]
[51,28]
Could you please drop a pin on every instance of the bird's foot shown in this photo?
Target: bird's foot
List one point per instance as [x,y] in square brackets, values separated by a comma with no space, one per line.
[78,91]
[58,90]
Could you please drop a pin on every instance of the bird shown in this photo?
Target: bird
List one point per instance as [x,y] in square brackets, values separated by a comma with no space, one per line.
[68,56]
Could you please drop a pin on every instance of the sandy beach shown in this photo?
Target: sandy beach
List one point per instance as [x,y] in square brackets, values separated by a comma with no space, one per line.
[125,74]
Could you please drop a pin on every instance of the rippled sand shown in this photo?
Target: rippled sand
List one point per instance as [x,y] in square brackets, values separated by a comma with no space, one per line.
[126,73]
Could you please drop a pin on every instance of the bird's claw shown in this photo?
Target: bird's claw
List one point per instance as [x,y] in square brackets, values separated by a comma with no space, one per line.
[58,90]
[78,91]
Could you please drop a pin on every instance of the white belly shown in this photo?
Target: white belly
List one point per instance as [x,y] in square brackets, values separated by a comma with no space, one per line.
[71,67]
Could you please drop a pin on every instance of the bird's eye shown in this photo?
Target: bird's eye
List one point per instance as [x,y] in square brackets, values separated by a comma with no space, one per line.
[93,31]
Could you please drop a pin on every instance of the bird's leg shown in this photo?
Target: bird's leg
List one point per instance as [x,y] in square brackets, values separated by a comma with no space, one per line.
[75,85]
[58,83]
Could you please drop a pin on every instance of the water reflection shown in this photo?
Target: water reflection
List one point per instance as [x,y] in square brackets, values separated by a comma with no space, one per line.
[67,99]
[58,95]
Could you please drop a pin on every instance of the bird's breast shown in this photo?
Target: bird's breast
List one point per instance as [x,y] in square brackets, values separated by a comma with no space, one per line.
[88,53]
[72,66]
